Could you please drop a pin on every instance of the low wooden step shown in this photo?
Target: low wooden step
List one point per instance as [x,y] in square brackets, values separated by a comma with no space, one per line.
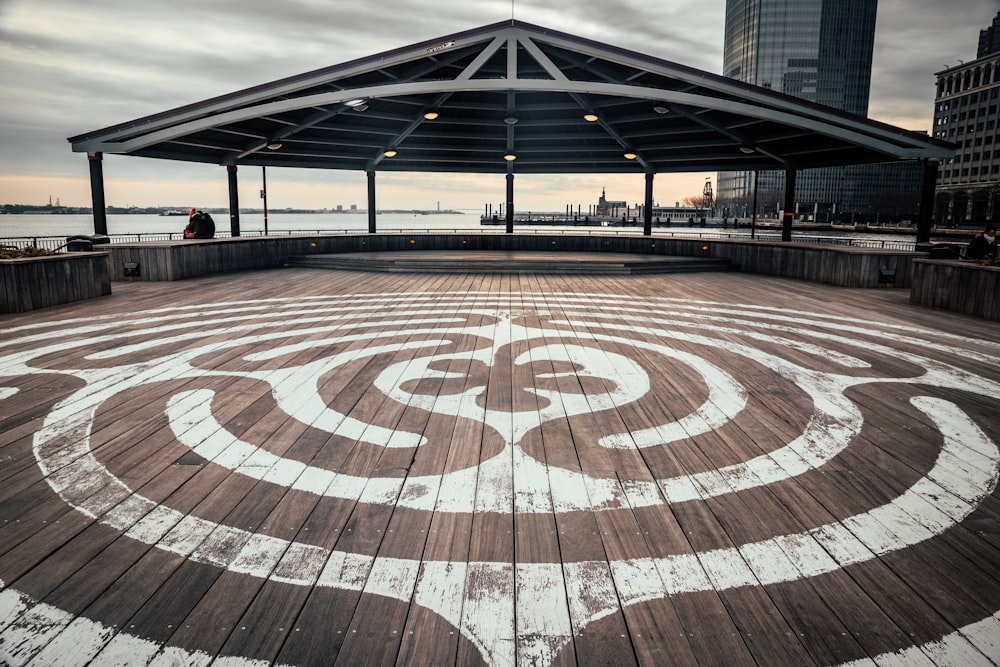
[508,262]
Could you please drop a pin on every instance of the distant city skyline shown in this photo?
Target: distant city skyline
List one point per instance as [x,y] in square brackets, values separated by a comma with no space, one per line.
[120,61]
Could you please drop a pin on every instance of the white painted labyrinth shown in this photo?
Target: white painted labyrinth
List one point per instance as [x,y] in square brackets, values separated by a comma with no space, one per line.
[435,354]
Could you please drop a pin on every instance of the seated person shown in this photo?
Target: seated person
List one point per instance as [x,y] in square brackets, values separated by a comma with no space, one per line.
[983,246]
[200,226]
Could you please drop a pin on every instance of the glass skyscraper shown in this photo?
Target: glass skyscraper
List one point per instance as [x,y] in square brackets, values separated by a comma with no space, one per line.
[819,50]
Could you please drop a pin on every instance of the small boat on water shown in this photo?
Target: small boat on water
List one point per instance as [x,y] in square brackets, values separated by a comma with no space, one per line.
[173,211]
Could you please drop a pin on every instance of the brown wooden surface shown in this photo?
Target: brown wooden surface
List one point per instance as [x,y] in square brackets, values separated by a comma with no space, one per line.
[959,286]
[500,584]
[28,284]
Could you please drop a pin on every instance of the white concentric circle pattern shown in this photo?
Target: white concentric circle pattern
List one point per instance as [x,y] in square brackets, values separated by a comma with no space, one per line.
[531,408]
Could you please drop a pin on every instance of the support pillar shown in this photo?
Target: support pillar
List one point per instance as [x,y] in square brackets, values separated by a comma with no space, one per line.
[234,201]
[97,192]
[263,193]
[647,207]
[753,220]
[788,208]
[510,203]
[925,217]
[371,202]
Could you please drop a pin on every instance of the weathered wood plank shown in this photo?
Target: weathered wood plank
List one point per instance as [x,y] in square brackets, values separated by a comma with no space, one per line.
[588,541]
[42,282]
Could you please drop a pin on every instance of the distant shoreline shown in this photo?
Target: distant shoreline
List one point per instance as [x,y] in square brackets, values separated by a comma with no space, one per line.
[22,209]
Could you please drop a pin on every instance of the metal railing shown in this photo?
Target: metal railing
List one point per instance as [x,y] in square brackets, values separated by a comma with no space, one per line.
[59,242]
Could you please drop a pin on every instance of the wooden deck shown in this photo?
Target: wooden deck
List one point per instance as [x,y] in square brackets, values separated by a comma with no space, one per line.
[310,467]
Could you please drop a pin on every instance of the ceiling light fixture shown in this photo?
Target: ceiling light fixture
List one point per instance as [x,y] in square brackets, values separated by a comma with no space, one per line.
[590,117]
[630,156]
[661,108]
[510,120]
[389,153]
[431,115]
[510,157]
[357,102]
[273,144]
[747,149]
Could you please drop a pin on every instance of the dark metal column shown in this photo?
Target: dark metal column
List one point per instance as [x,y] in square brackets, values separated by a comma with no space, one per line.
[925,217]
[263,194]
[234,201]
[647,207]
[510,203]
[97,192]
[753,220]
[788,208]
[371,202]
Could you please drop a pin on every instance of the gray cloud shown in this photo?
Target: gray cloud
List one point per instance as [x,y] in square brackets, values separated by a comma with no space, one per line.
[913,40]
[71,67]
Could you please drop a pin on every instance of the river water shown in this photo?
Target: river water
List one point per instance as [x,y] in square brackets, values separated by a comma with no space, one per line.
[38,226]
[65,225]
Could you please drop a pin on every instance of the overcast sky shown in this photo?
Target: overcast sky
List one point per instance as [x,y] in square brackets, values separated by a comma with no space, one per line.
[70,66]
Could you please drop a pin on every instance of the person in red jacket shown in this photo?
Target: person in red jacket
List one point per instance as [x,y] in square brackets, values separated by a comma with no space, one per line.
[200,225]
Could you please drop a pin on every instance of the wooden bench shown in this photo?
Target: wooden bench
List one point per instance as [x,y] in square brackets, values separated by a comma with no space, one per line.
[31,283]
[959,286]
[844,266]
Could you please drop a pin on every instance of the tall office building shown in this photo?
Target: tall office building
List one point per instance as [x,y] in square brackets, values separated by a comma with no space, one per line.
[967,113]
[989,39]
[819,50]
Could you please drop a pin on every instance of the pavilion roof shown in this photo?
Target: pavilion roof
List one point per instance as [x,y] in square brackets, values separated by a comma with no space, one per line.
[512,89]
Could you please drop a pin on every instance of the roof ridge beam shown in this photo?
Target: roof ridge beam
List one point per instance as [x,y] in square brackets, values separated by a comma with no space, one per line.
[480,60]
[543,60]
[512,57]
